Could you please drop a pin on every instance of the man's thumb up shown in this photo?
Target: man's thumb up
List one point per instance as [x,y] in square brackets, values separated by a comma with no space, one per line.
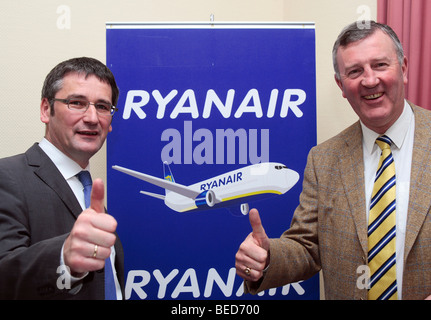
[98,196]
[258,233]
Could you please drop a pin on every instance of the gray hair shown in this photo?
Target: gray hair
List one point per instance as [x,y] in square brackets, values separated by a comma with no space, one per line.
[359,31]
[88,66]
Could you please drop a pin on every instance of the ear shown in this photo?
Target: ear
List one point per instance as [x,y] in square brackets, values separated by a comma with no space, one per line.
[404,69]
[45,111]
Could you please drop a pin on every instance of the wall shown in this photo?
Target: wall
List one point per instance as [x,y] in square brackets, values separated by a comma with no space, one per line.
[36,35]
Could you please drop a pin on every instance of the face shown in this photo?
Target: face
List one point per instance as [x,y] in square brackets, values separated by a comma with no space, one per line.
[372,80]
[78,135]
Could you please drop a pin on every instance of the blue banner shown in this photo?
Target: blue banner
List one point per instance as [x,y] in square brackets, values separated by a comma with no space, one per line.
[213,119]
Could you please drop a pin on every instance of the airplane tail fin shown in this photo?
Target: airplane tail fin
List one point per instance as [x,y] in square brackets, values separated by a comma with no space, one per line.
[167,174]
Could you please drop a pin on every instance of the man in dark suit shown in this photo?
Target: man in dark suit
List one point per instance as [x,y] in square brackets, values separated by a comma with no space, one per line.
[330,228]
[53,243]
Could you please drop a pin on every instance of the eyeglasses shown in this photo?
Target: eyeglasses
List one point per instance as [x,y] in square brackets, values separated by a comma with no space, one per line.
[82,105]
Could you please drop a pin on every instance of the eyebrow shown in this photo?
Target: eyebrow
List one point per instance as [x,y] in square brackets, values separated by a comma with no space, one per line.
[80,96]
[373,61]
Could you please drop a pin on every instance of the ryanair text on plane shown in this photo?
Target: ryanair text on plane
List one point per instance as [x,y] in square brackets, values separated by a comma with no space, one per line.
[222,181]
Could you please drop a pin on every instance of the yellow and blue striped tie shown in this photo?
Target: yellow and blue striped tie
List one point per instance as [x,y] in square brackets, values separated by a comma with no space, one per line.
[382,228]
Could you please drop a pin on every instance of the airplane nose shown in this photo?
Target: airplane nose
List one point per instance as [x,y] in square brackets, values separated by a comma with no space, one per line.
[291,177]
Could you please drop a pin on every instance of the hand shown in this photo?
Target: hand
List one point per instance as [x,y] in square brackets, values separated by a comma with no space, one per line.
[93,227]
[253,253]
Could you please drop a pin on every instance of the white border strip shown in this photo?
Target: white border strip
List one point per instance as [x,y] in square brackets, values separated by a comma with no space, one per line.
[210,25]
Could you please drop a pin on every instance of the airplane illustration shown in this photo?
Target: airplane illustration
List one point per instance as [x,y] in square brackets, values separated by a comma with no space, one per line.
[233,190]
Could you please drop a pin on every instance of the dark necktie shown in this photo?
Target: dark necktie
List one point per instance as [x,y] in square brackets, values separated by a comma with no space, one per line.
[110,292]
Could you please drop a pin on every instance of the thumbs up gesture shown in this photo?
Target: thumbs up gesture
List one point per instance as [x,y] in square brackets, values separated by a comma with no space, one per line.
[253,254]
[92,236]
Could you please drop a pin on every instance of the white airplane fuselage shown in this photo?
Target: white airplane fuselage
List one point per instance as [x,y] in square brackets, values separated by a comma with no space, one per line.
[232,189]
[255,182]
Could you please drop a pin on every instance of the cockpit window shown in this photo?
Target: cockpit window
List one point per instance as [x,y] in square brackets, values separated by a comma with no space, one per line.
[280,167]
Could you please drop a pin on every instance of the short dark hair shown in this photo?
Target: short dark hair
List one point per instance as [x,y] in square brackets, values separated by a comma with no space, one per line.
[88,66]
[359,30]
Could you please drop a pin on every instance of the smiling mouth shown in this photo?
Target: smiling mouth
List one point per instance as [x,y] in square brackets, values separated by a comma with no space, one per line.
[373,96]
[88,133]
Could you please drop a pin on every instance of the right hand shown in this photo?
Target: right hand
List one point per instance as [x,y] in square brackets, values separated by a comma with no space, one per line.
[253,253]
[93,227]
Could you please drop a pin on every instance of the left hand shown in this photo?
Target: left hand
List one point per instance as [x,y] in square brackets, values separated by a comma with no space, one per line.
[253,253]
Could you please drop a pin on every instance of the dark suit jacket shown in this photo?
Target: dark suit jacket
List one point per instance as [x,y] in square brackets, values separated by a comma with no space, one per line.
[329,227]
[37,212]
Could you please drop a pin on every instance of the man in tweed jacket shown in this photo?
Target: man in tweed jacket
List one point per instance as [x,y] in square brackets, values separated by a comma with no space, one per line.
[329,227]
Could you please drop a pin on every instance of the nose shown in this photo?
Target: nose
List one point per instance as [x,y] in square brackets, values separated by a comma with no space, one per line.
[369,78]
[90,115]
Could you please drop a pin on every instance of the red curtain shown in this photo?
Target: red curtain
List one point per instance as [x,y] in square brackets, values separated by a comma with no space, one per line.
[411,20]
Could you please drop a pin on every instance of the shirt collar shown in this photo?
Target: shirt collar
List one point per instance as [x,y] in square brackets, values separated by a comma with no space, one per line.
[397,132]
[65,165]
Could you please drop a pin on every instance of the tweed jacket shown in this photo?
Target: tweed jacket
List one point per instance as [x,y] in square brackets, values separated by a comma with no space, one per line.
[329,228]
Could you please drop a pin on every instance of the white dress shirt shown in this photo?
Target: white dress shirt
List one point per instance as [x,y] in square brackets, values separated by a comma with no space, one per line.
[402,135]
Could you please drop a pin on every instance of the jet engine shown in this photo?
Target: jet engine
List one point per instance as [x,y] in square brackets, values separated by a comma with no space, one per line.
[206,199]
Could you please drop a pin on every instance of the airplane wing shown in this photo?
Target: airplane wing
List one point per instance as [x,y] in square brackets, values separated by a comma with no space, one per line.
[154,195]
[172,186]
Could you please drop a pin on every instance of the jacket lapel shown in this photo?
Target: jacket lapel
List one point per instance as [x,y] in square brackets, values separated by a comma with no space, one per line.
[352,175]
[420,186]
[45,169]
